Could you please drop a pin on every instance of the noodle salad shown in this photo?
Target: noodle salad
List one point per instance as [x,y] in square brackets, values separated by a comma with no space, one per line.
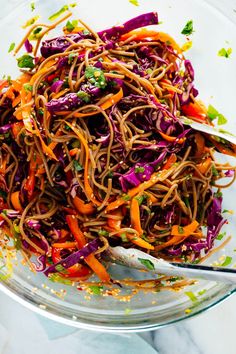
[93,153]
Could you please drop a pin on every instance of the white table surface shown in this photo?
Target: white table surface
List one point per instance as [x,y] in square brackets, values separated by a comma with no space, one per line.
[208,333]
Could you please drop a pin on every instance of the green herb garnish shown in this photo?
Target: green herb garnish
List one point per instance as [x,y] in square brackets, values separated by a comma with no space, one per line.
[60,268]
[73,4]
[191,295]
[71,25]
[180,229]
[186,200]
[36,34]
[103,233]
[139,169]
[58,13]
[96,290]
[9,80]
[202,292]
[134,2]
[126,197]
[84,96]
[225,52]
[213,114]
[218,195]
[32,6]
[31,21]
[95,76]
[227,261]
[71,57]
[147,263]
[124,237]
[214,171]
[26,61]
[12,46]
[28,87]
[188,28]
[77,166]
[140,199]
[86,32]
[55,278]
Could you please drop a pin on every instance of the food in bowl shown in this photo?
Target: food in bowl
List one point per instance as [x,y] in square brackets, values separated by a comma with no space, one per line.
[94,154]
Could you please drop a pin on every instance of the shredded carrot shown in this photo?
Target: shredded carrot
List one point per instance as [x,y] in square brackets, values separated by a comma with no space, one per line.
[105,105]
[82,207]
[204,166]
[15,200]
[197,111]
[172,138]
[200,144]
[184,231]
[151,197]
[179,235]
[135,215]
[49,64]
[138,241]
[65,245]
[115,224]
[16,101]
[91,260]
[223,148]
[88,189]
[74,151]
[156,177]
[170,161]
[145,34]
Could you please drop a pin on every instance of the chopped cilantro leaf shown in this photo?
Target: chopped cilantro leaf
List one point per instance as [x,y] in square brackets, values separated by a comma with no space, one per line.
[186,200]
[86,32]
[140,199]
[213,114]
[147,263]
[9,80]
[32,6]
[96,290]
[225,52]
[77,166]
[214,171]
[103,233]
[73,4]
[28,87]
[134,2]
[71,25]
[220,236]
[3,194]
[218,195]
[139,169]
[95,76]
[126,197]
[188,28]
[12,46]
[124,237]
[71,57]
[191,295]
[26,61]
[227,261]
[84,96]
[31,21]
[58,13]
[55,278]
[180,230]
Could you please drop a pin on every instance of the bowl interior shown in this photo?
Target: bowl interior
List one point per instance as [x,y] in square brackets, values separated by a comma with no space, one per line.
[215,79]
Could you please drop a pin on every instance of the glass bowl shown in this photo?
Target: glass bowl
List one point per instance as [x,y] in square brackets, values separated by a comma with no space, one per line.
[215,78]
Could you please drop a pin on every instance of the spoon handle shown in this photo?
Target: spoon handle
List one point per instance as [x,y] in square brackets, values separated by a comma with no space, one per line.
[134,258]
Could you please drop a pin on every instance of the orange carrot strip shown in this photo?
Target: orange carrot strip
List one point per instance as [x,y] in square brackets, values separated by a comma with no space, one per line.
[184,231]
[82,207]
[138,241]
[65,245]
[115,224]
[156,177]
[15,200]
[88,189]
[135,215]
[200,144]
[204,166]
[172,138]
[91,260]
[170,161]
[145,34]
[112,100]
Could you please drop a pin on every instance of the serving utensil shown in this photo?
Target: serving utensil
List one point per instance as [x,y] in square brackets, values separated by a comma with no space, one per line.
[210,130]
[137,259]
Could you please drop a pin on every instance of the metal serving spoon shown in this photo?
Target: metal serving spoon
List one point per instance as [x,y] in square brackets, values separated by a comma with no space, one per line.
[208,129]
[134,258]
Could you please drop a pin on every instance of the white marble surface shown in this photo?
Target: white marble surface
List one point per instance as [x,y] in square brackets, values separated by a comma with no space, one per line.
[208,333]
